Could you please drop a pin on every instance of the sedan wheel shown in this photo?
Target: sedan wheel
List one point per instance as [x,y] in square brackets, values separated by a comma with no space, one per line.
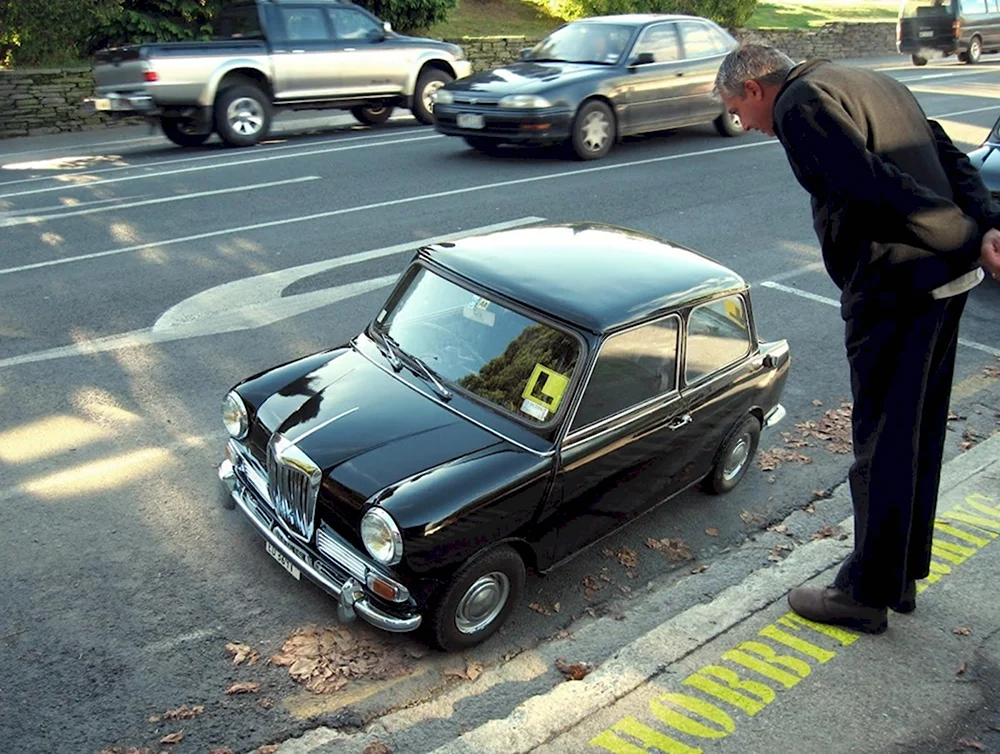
[478,599]
[729,124]
[593,131]
[733,459]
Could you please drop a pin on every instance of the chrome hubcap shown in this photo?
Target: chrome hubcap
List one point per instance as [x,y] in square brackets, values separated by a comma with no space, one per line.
[974,49]
[595,131]
[482,603]
[735,120]
[428,92]
[737,458]
[245,116]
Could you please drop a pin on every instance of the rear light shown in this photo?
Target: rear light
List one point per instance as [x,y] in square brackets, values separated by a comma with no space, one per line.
[956,29]
[151,76]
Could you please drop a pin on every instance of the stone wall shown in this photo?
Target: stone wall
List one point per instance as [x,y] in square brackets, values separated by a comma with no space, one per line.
[35,102]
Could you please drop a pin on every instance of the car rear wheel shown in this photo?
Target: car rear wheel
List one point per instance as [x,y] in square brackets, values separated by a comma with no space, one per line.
[918,59]
[734,457]
[975,51]
[728,124]
[183,132]
[242,115]
[593,131]
[478,599]
[423,104]
[372,115]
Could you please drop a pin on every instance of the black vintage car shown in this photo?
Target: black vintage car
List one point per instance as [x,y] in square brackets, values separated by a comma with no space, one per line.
[520,395]
[987,159]
[593,81]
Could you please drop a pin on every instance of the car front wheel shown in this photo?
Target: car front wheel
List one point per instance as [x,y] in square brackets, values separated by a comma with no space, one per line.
[478,600]
[423,103]
[734,457]
[593,131]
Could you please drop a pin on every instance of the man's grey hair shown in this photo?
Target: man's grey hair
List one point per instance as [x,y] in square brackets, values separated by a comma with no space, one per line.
[751,62]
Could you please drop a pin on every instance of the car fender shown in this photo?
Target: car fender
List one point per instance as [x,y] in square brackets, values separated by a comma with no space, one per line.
[253,69]
[431,59]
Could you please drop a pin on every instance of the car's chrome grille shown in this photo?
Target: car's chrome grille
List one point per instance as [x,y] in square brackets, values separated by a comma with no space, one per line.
[293,486]
[471,99]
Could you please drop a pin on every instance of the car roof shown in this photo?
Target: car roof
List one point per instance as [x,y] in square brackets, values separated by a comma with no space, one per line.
[639,18]
[599,277]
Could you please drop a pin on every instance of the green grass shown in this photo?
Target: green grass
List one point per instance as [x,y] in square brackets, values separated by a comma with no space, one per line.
[791,15]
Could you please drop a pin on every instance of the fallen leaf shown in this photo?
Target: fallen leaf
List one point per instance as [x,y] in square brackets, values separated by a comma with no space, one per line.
[473,670]
[631,575]
[956,417]
[769,460]
[833,428]
[591,586]
[266,702]
[752,518]
[699,568]
[153,719]
[820,494]
[538,607]
[268,749]
[555,607]
[225,750]
[775,555]
[962,630]
[181,713]
[244,687]
[242,652]
[971,743]
[823,533]
[573,672]
[779,529]
[377,747]
[712,532]
[561,634]
[173,738]
[817,402]
[810,508]
[962,668]
[674,549]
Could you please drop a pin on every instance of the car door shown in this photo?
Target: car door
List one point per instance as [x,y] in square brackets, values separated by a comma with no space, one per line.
[301,57]
[366,61]
[658,87]
[704,48]
[630,441]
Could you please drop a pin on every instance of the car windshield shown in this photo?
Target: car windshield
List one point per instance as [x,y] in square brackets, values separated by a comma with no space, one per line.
[583,43]
[514,362]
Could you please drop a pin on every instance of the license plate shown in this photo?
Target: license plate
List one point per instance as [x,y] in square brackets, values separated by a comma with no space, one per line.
[470,120]
[275,553]
[102,104]
[927,34]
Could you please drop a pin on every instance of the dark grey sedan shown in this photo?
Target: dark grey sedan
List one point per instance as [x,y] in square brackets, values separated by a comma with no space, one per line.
[590,82]
[987,159]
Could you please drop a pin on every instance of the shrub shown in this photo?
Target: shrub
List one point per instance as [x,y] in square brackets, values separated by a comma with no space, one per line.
[409,16]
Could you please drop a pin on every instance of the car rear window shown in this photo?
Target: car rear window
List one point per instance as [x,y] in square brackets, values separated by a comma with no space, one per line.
[718,335]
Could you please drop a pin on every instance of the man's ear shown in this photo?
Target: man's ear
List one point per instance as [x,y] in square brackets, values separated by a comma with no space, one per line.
[754,90]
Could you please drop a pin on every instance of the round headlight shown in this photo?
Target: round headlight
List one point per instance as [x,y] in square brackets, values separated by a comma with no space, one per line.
[234,415]
[381,537]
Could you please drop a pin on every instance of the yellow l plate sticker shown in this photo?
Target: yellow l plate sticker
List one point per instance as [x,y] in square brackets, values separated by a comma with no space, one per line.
[545,387]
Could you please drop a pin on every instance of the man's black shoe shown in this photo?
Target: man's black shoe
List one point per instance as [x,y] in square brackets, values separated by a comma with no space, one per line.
[837,607]
[908,602]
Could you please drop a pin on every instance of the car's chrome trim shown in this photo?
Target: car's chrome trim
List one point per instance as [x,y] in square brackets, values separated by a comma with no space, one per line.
[293,480]
[429,396]
[321,573]
[337,549]
[320,426]
[774,416]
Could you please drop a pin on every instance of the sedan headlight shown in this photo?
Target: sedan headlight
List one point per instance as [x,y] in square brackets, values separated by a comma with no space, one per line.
[524,101]
[234,415]
[443,97]
[381,537]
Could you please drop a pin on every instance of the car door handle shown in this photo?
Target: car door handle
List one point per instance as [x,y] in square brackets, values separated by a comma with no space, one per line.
[298,52]
[350,49]
[679,422]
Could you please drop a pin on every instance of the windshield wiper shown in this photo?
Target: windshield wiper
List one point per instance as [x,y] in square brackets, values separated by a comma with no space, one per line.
[385,345]
[545,60]
[430,375]
[392,349]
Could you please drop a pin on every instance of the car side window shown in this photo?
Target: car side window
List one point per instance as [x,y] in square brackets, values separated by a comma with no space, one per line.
[718,335]
[700,41]
[662,41]
[632,367]
[350,24]
[304,24]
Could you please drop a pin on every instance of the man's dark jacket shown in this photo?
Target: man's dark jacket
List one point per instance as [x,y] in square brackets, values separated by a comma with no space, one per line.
[897,207]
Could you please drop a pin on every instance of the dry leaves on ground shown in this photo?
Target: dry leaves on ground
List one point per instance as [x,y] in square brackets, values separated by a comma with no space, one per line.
[833,428]
[971,743]
[181,713]
[592,585]
[992,372]
[173,738]
[223,750]
[820,494]
[962,668]
[243,687]
[576,671]
[266,702]
[969,439]
[769,460]
[471,671]
[268,749]
[242,652]
[825,532]
[780,529]
[325,660]
[127,750]
[777,553]
[674,549]
[699,568]
[752,518]
[377,747]
[809,508]
[539,607]
[962,631]
[625,556]
[791,441]
[712,532]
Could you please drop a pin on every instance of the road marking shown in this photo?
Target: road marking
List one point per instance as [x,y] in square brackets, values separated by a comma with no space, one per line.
[955,114]
[81,182]
[213,312]
[382,205]
[833,302]
[10,222]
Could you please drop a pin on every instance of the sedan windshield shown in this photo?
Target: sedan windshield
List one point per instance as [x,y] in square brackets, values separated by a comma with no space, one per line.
[583,43]
[512,361]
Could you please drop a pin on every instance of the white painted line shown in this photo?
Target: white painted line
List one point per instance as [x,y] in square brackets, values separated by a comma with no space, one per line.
[381,205]
[69,183]
[833,302]
[992,108]
[799,271]
[37,219]
[251,302]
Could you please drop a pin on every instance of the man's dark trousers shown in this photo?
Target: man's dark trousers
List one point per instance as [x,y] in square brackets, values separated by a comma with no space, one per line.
[902,361]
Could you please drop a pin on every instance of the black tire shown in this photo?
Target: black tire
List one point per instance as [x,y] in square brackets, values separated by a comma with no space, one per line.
[728,124]
[429,82]
[594,130]
[453,625]
[734,457]
[975,51]
[242,115]
[372,115]
[482,144]
[918,59]
[183,132]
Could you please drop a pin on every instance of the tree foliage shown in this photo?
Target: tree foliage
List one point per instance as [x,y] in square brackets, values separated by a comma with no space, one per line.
[729,13]
[410,16]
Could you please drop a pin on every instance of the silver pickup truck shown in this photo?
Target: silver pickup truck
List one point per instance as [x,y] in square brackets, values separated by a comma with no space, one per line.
[270,55]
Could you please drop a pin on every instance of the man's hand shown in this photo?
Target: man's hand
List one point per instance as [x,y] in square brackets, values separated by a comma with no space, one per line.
[990,253]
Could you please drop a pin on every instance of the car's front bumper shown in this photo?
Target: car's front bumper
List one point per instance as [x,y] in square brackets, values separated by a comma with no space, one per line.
[334,565]
[506,125]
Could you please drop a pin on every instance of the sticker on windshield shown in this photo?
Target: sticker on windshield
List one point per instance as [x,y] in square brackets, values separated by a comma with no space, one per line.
[545,388]
[534,410]
[478,311]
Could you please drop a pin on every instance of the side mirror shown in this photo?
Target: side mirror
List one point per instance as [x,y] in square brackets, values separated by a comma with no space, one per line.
[523,54]
[387,26]
[644,58]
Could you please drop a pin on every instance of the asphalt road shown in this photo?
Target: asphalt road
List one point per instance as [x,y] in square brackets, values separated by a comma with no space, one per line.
[122,577]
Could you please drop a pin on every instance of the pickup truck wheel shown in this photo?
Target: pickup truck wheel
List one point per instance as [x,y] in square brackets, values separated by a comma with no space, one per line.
[918,59]
[372,115]
[734,457]
[242,115]
[183,132]
[478,599]
[429,82]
